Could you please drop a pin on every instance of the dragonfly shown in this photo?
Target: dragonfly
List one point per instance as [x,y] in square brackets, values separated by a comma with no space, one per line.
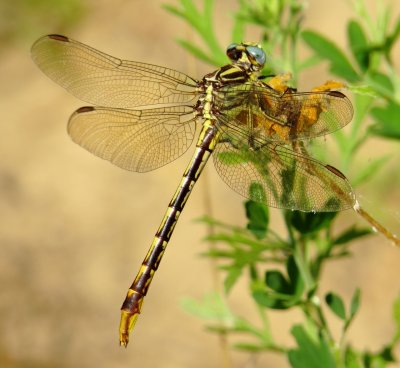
[144,116]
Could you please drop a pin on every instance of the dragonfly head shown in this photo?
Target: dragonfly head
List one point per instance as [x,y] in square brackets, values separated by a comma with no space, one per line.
[248,55]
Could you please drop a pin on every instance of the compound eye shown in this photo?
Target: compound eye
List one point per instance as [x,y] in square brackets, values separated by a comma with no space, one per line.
[233,52]
[257,53]
[231,47]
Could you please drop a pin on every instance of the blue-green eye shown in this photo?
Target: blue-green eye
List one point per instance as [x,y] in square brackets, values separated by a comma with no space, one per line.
[231,47]
[258,54]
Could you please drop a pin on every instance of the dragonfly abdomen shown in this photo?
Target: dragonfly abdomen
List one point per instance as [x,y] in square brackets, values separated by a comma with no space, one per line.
[132,305]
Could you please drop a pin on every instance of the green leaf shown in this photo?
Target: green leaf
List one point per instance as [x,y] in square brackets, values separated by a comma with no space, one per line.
[387,121]
[197,52]
[308,222]
[392,39]
[381,83]
[359,44]
[355,303]
[309,63]
[296,281]
[249,347]
[213,222]
[232,158]
[233,275]
[274,300]
[336,305]
[211,307]
[351,234]
[201,22]
[352,359]
[258,216]
[257,193]
[378,360]
[277,282]
[370,170]
[288,175]
[311,352]
[387,354]
[238,29]
[285,293]
[174,10]
[354,306]
[396,317]
[363,90]
[266,299]
[327,50]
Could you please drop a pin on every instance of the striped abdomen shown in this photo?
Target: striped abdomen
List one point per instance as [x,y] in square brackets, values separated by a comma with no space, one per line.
[133,302]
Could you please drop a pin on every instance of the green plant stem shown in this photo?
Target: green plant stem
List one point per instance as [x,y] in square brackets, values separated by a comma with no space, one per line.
[267,337]
[286,216]
[300,256]
[313,312]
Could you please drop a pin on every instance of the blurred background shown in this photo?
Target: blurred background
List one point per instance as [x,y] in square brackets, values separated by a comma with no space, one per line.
[74,229]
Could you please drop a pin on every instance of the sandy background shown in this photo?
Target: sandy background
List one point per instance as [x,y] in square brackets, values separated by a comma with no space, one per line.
[74,229]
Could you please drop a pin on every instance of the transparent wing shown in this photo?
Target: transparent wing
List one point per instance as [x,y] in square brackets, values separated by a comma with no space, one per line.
[289,179]
[282,118]
[103,80]
[136,140]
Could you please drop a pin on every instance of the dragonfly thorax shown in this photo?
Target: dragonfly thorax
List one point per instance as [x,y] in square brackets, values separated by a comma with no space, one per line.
[247,60]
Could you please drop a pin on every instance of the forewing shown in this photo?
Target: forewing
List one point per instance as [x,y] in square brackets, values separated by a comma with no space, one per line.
[103,80]
[136,140]
[289,179]
[282,118]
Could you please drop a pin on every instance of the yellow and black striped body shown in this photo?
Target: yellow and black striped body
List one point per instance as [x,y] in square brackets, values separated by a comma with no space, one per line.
[208,138]
[133,302]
